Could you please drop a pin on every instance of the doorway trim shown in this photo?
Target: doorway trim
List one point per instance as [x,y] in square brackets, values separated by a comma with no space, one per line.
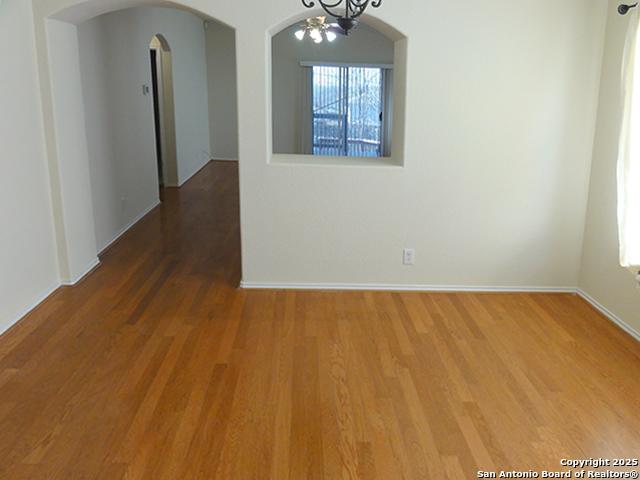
[168,172]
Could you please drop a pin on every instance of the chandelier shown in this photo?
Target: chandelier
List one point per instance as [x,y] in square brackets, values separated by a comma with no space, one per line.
[346,14]
[317,29]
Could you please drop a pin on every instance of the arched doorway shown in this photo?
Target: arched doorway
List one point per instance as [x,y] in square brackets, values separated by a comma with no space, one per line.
[164,114]
[182,144]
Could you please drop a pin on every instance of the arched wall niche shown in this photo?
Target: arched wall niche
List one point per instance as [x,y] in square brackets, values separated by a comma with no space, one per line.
[400,41]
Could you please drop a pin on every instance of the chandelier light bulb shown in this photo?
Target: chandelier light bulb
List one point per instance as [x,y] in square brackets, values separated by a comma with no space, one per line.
[316,35]
[317,29]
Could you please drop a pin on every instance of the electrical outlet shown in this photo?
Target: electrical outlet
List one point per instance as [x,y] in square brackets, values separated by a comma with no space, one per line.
[409,256]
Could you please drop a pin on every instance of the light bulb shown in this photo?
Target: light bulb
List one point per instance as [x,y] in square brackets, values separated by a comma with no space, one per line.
[300,34]
[331,36]
[315,35]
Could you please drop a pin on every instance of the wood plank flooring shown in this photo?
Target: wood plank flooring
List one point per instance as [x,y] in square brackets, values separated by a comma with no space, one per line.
[157,367]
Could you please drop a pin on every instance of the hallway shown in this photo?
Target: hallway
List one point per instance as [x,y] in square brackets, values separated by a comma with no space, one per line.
[157,367]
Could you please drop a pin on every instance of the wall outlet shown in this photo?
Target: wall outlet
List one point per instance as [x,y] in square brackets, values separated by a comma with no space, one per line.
[409,256]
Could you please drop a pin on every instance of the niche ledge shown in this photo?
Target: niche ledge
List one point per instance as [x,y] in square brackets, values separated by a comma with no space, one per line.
[321,161]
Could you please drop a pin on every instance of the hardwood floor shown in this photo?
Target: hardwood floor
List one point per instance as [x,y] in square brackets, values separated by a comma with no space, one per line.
[157,367]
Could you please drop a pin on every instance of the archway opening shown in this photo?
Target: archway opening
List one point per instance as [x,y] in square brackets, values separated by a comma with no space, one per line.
[163,111]
[143,90]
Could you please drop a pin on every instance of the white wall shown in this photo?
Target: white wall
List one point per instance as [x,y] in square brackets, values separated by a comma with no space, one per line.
[500,117]
[223,96]
[500,111]
[79,241]
[28,266]
[363,45]
[114,50]
[602,277]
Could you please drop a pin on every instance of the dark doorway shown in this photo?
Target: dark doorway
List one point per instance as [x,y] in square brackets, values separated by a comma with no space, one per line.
[156,117]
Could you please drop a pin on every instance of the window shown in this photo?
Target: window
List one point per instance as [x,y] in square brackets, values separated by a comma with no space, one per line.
[347,111]
[629,156]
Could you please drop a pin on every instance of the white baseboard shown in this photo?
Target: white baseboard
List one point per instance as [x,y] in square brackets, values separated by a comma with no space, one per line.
[131,224]
[368,287]
[182,182]
[189,176]
[400,287]
[86,271]
[38,299]
[609,314]
[47,292]
[445,288]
